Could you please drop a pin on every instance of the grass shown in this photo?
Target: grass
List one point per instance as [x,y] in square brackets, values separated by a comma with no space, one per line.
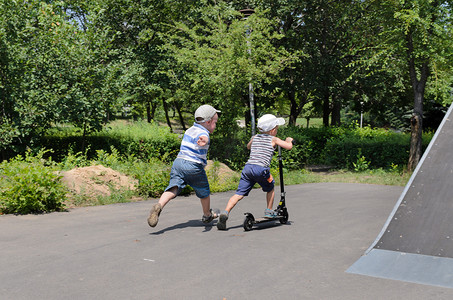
[369,177]
[314,122]
[379,177]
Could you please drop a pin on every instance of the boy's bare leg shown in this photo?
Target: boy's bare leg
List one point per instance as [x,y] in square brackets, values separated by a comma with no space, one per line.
[270,199]
[208,214]
[167,196]
[233,201]
[157,208]
[224,215]
[206,205]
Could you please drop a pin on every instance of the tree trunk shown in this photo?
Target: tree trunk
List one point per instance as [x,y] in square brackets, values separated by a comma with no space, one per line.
[293,109]
[418,86]
[336,116]
[296,107]
[181,119]
[416,141]
[84,135]
[148,112]
[415,152]
[166,114]
[326,110]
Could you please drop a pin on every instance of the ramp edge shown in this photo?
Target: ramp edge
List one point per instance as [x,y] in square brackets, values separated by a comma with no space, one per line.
[408,267]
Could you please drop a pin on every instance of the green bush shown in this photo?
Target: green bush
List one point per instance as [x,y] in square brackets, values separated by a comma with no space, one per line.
[380,148]
[308,148]
[335,146]
[342,147]
[140,139]
[153,177]
[30,185]
[309,144]
[231,151]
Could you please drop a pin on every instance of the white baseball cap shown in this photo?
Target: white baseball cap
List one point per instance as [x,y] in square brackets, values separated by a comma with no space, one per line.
[205,113]
[268,122]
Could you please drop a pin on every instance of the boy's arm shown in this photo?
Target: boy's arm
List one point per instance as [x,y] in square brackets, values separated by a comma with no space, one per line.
[249,144]
[286,144]
[202,140]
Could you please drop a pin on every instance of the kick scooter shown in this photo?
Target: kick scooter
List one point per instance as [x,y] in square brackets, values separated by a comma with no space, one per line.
[281,211]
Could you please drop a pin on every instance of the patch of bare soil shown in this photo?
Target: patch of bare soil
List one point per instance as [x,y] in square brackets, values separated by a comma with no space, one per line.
[96,181]
[221,170]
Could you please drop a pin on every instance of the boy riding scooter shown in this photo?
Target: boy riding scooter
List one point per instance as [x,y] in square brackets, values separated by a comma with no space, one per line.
[257,168]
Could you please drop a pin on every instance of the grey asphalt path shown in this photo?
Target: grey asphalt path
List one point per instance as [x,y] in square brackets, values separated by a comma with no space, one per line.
[109,252]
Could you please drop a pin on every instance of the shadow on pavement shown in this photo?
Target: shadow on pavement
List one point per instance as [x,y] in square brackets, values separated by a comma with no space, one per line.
[190,223]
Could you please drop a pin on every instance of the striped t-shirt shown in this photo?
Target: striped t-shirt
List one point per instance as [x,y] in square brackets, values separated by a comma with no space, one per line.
[261,151]
[189,149]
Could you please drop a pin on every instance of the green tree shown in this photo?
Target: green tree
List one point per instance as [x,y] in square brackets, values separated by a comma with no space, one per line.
[34,42]
[319,32]
[135,31]
[52,72]
[416,37]
[215,59]
[297,82]
[11,25]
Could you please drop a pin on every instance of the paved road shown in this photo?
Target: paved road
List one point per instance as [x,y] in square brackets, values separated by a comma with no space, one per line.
[109,252]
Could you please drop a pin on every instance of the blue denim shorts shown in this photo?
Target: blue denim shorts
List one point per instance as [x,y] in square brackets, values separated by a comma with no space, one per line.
[252,174]
[184,172]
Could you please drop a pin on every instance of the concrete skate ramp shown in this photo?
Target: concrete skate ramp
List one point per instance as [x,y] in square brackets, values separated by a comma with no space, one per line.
[416,242]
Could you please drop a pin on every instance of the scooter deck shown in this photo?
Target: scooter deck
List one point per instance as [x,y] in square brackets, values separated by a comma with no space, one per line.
[267,219]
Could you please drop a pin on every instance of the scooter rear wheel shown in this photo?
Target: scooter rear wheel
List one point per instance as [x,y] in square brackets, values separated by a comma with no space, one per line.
[248,224]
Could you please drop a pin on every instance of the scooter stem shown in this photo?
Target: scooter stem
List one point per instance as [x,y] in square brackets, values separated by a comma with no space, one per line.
[280,169]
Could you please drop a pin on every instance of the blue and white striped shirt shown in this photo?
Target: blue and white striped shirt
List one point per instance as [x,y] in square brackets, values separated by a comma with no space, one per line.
[189,149]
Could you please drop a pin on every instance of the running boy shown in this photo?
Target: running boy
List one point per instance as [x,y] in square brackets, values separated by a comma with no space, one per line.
[188,167]
[257,168]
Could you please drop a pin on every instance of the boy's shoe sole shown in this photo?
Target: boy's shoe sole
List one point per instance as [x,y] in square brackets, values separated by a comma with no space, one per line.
[221,225]
[154,215]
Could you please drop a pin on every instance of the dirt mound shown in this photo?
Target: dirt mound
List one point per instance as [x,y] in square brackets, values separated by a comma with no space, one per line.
[96,180]
[221,170]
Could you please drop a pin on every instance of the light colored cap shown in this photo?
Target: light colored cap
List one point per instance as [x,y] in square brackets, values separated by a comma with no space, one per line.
[205,113]
[268,122]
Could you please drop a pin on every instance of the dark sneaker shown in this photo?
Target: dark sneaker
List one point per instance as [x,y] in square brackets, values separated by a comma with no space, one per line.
[208,219]
[154,215]
[221,225]
[269,213]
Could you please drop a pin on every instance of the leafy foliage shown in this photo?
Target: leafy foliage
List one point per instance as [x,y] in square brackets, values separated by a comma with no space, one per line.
[342,147]
[139,139]
[52,72]
[411,43]
[30,185]
[216,58]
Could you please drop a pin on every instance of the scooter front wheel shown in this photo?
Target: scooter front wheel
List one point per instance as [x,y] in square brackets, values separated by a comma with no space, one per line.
[248,223]
[284,218]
